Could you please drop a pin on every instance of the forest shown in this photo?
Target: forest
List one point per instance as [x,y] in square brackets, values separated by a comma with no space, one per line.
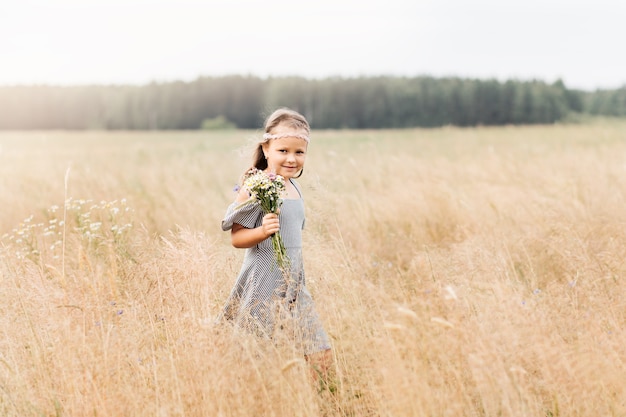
[239,101]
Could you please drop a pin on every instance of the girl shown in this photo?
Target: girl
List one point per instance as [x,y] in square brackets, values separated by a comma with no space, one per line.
[263,296]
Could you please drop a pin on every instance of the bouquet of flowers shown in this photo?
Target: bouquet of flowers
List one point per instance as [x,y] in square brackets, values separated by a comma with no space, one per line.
[266,189]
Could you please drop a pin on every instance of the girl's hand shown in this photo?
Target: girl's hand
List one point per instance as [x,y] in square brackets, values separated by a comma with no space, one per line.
[270,224]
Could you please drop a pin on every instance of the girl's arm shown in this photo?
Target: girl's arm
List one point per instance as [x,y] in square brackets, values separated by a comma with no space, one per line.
[242,237]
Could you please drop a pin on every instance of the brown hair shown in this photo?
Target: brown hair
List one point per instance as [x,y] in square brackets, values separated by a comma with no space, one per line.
[280,117]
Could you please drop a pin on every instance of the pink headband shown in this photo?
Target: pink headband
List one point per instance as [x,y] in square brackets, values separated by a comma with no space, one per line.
[269,136]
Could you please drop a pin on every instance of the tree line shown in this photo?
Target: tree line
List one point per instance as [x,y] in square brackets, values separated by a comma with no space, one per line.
[331,103]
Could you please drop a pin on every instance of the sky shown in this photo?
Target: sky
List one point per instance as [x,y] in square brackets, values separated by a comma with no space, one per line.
[70,42]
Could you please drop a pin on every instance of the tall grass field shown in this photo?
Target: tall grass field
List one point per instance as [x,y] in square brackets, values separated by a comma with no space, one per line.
[458,272]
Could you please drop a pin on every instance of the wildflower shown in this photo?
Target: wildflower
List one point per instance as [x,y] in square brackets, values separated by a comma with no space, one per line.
[393,326]
[407,312]
[441,321]
[266,189]
[450,293]
[518,369]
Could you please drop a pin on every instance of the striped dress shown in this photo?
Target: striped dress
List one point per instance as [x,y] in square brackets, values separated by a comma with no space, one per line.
[263,299]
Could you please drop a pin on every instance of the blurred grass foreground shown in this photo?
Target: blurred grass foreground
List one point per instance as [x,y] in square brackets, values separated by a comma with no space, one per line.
[459,272]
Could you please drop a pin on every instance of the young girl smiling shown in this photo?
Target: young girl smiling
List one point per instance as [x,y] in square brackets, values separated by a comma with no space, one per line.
[264,294]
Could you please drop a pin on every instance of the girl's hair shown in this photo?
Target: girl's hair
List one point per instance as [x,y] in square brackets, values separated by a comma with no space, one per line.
[280,117]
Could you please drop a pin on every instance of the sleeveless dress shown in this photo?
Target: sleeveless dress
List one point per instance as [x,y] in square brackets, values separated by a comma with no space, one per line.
[263,297]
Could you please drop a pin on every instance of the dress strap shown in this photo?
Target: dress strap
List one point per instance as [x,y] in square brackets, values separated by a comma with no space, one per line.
[296,186]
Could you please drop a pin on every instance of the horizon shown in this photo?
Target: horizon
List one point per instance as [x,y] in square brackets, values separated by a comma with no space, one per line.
[264,78]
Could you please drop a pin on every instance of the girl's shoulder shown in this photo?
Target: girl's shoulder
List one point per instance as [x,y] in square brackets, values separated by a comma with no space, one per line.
[296,186]
[242,195]
[246,213]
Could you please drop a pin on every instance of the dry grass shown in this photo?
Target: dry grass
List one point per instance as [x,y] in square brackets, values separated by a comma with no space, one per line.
[475,272]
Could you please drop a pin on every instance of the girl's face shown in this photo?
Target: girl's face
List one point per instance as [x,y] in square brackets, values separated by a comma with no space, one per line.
[285,156]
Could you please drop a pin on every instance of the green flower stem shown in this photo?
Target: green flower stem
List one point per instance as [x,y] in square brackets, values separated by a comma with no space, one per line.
[282,259]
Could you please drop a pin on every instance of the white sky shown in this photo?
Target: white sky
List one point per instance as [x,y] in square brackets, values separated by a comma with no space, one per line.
[138,41]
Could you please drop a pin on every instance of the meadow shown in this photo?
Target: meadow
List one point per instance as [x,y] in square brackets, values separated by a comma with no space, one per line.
[459,272]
